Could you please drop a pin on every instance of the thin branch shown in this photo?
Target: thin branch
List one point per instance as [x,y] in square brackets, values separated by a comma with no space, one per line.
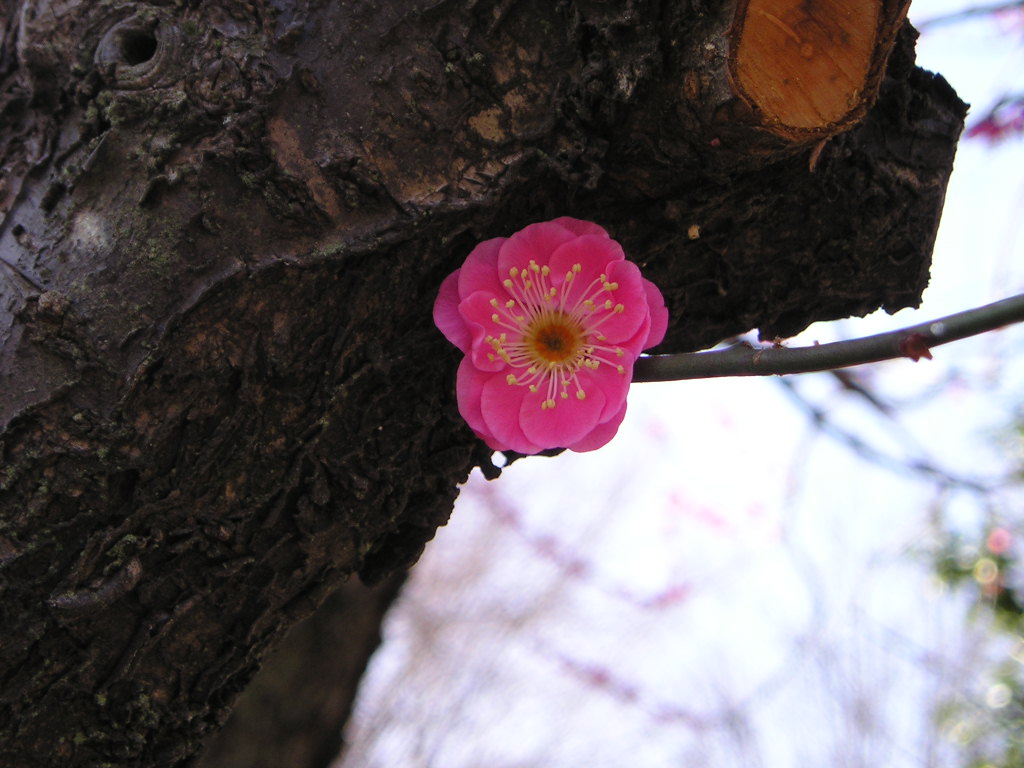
[919,466]
[967,13]
[913,342]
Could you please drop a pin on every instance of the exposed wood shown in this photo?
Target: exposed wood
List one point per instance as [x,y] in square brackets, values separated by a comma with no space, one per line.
[811,68]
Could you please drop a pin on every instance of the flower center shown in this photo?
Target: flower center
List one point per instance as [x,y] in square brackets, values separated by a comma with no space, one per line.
[555,338]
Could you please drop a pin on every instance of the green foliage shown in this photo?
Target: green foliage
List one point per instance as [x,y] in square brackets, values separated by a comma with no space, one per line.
[988,722]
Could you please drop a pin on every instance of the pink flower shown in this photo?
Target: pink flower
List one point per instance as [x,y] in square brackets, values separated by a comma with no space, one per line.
[999,541]
[1004,120]
[551,321]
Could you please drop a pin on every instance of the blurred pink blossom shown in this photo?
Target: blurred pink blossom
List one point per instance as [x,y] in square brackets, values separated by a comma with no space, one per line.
[998,541]
[551,320]
[1004,120]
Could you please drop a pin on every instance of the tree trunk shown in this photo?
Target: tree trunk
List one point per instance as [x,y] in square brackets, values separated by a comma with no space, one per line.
[224,225]
[293,712]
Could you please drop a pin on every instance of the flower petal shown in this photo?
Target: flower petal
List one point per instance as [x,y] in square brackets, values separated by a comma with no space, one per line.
[570,420]
[635,345]
[500,405]
[601,434]
[469,384]
[631,295]
[615,326]
[592,252]
[659,315]
[598,259]
[446,313]
[480,272]
[536,242]
[477,313]
[614,386]
[580,227]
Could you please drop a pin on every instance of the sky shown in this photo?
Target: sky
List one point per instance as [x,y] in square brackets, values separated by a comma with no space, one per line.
[723,584]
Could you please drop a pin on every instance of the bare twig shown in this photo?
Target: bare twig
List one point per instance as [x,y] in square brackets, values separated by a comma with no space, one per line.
[968,13]
[913,342]
[920,466]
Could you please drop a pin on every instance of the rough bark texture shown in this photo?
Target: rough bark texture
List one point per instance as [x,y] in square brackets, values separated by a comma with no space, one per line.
[224,225]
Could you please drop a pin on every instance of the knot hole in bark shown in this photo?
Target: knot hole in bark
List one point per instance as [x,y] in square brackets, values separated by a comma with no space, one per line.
[136,46]
[141,51]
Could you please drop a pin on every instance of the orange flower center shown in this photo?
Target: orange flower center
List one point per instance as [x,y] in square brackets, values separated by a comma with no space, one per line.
[555,339]
[558,337]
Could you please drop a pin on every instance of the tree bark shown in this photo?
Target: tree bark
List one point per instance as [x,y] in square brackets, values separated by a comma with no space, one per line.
[293,712]
[224,224]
